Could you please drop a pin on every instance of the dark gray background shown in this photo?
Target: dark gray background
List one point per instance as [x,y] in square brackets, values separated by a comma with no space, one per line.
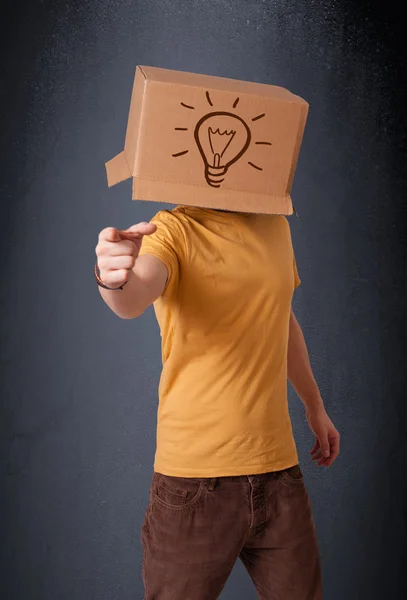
[78,385]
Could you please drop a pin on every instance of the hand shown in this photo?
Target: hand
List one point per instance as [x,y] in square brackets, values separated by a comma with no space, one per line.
[326,447]
[117,251]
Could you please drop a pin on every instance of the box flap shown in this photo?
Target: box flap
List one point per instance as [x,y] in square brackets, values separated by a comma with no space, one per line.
[117,170]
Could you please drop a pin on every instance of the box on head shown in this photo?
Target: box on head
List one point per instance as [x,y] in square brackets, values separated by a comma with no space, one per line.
[212,142]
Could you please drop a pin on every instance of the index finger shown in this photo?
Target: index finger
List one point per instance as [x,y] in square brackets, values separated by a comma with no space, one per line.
[137,232]
[141,228]
[109,234]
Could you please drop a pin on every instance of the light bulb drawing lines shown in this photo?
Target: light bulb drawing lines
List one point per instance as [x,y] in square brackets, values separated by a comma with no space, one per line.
[214,149]
[230,133]
[222,139]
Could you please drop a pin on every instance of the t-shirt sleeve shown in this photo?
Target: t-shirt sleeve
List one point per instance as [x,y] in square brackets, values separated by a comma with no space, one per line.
[166,243]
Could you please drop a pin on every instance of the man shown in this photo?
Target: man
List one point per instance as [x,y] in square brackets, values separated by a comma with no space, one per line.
[226,482]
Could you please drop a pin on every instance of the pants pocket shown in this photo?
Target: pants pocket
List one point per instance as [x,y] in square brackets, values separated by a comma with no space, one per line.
[176,492]
[292,475]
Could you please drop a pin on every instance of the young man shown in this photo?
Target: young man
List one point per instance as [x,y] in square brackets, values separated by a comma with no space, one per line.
[226,480]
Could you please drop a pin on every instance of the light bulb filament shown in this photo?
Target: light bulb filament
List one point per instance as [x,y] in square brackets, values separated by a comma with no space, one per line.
[219,142]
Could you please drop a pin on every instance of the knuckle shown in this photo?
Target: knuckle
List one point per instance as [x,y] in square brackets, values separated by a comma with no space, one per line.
[129,262]
[101,263]
[100,249]
[104,275]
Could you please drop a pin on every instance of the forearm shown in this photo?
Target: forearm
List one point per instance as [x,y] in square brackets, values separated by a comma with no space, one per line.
[129,302]
[299,369]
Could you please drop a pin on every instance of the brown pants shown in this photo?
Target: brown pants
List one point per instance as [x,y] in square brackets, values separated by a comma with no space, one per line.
[195,530]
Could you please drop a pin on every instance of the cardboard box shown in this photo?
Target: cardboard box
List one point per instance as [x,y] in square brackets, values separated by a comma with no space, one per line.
[210,141]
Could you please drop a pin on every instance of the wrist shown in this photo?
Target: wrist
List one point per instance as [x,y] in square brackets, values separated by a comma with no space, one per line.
[314,405]
[312,400]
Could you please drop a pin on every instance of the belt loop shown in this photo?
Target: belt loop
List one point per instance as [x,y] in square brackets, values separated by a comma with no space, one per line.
[212,483]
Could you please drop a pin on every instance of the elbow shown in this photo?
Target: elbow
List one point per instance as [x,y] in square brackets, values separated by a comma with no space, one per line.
[128,316]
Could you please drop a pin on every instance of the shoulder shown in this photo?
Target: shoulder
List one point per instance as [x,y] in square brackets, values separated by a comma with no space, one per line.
[276,228]
[164,216]
[170,221]
[169,236]
[287,227]
[285,224]
[174,215]
[275,222]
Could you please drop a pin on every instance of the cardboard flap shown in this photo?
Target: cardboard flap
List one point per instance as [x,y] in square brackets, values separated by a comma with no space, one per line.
[117,170]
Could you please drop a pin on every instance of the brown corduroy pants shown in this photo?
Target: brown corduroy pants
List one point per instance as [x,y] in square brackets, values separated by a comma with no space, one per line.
[195,530]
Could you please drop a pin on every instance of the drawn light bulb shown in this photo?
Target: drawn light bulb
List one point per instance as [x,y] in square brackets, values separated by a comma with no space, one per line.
[222,138]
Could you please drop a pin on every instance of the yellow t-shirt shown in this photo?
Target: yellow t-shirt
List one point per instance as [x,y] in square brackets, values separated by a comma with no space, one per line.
[224,322]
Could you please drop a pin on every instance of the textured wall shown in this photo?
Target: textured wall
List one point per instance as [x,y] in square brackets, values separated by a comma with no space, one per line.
[78,385]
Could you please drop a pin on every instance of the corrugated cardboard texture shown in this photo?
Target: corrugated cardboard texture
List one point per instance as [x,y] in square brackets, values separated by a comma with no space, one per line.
[209,141]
